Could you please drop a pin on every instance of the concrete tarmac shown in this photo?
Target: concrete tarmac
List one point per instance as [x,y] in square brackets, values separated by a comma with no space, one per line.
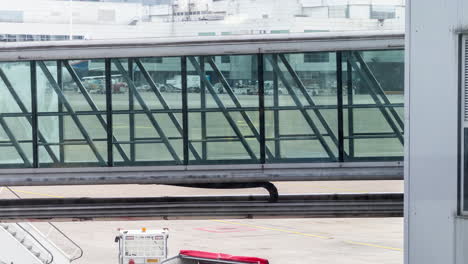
[292,241]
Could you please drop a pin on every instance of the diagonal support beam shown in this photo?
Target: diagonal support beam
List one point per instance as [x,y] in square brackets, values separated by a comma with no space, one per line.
[147,110]
[223,109]
[376,99]
[231,94]
[15,143]
[24,110]
[377,87]
[301,108]
[93,106]
[164,104]
[70,111]
[309,99]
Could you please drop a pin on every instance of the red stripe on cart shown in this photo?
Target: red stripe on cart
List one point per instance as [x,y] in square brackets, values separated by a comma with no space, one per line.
[221,256]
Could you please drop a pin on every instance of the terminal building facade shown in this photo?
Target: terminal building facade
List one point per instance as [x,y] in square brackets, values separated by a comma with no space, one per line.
[25,20]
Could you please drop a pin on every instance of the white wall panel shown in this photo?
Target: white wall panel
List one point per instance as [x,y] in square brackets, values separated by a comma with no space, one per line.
[311,3]
[359,11]
[432,130]
[316,12]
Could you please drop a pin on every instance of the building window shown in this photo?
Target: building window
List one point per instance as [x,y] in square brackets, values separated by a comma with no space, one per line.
[152,60]
[225,59]
[22,37]
[45,37]
[382,12]
[226,74]
[158,60]
[316,57]
[206,34]
[338,11]
[279,31]
[315,30]
[11,16]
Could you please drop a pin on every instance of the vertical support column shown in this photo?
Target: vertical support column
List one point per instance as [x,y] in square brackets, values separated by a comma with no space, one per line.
[60,117]
[110,142]
[34,123]
[349,71]
[185,124]
[131,107]
[276,111]
[339,93]
[203,107]
[261,106]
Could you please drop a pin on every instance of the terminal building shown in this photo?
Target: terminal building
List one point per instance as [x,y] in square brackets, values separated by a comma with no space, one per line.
[25,20]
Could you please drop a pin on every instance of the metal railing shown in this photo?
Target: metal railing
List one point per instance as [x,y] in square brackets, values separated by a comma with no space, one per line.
[206,207]
[77,252]
[73,251]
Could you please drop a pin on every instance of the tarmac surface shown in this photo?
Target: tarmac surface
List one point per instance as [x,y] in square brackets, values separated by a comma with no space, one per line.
[325,241]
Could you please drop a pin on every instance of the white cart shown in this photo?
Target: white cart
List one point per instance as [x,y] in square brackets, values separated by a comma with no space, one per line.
[142,246]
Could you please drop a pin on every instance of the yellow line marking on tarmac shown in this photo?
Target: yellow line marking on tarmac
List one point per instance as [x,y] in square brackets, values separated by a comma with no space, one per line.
[35,193]
[308,235]
[373,245]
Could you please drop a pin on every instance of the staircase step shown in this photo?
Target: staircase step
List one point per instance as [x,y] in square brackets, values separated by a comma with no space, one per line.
[45,261]
[36,253]
[22,237]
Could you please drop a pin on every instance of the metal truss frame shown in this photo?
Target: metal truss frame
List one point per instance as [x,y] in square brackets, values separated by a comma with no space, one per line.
[62,98]
[376,92]
[204,207]
[310,110]
[223,109]
[147,110]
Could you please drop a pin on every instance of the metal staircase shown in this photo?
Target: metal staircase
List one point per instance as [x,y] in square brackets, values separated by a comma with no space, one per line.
[27,244]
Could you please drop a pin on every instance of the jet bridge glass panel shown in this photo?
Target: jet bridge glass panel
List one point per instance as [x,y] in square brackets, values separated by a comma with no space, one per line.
[146,111]
[301,107]
[223,113]
[260,108]
[16,138]
[373,104]
[71,117]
